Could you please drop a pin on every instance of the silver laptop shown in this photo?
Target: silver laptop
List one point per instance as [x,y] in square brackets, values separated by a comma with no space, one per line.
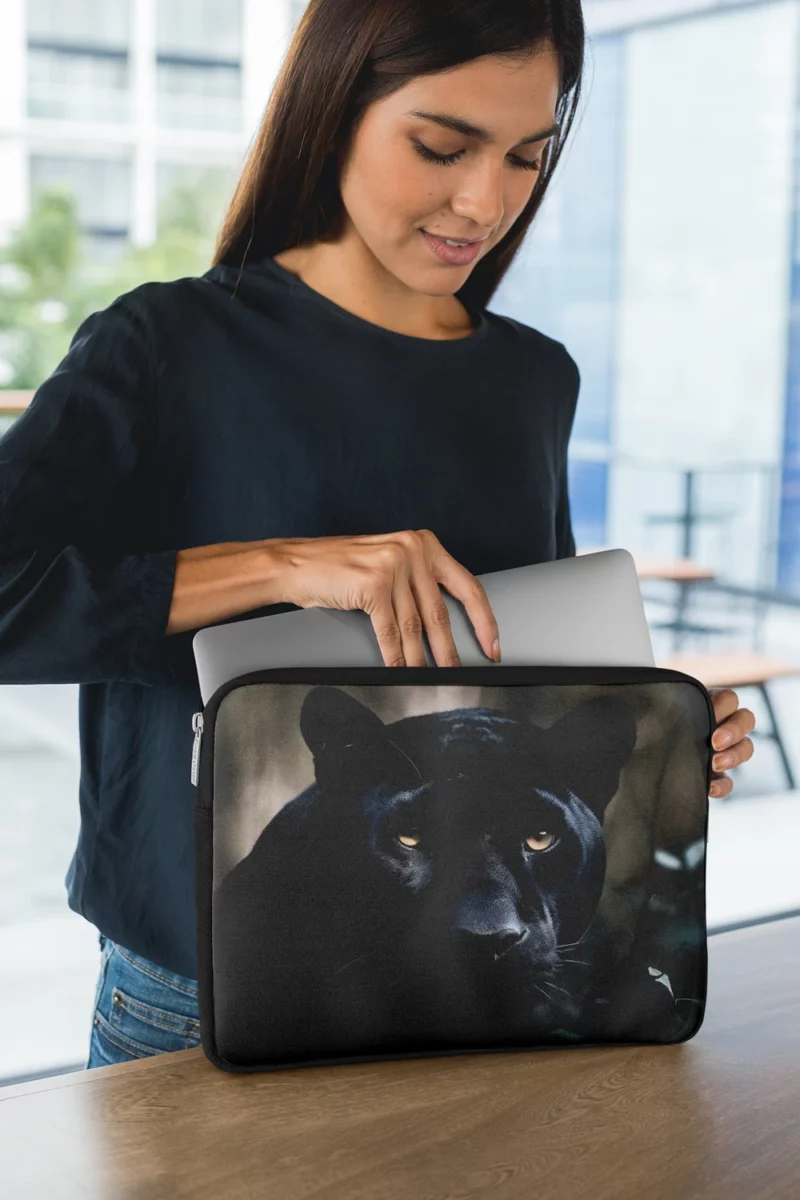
[585,610]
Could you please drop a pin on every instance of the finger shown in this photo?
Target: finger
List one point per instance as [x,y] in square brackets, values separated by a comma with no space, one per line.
[725,701]
[467,588]
[733,729]
[409,622]
[721,787]
[733,757]
[435,616]
[387,631]
[421,547]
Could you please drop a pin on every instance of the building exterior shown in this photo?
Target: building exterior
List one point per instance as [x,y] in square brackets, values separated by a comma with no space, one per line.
[666,256]
[120,99]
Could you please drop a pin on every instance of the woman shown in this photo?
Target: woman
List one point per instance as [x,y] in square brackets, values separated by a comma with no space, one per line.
[328,417]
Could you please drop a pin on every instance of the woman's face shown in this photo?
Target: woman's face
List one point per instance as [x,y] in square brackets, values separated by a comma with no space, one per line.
[392,191]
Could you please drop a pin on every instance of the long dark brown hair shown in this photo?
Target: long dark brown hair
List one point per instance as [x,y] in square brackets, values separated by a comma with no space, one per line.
[345,55]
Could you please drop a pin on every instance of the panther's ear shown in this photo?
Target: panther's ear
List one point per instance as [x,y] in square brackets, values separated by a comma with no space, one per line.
[348,740]
[330,717]
[592,744]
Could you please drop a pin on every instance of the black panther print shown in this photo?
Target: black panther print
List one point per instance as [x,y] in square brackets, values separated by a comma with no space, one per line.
[430,890]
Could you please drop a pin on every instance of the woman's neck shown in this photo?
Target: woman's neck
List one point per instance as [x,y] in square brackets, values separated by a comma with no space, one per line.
[348,277]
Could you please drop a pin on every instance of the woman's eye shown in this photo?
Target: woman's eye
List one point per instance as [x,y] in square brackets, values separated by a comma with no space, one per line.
[408,839]
[447,160]
[540,841]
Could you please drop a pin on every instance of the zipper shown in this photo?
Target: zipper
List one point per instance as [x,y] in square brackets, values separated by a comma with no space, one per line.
[197,726]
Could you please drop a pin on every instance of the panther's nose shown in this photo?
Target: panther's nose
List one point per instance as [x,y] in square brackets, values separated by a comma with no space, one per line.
[489,920]
[492,944]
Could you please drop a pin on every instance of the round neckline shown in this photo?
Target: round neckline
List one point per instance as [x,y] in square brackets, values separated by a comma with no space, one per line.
[297,284]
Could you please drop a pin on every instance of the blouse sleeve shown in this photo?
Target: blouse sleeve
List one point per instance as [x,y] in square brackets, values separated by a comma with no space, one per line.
[565,540]
[82,599]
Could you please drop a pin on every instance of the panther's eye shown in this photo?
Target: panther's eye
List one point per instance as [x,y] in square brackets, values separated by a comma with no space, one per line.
[408,839]
[540,841]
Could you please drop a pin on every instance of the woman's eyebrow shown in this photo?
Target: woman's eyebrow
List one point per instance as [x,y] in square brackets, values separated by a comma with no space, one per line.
[448,121]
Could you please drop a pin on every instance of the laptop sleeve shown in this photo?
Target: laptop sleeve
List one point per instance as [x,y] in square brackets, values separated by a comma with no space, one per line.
[410,861]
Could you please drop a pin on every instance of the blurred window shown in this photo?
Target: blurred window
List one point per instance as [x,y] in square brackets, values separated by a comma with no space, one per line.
[209,186]
[91,22]
[198,66]
[102,187]
[78,64]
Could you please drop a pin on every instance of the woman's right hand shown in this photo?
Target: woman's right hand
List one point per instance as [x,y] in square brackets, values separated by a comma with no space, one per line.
[394,578]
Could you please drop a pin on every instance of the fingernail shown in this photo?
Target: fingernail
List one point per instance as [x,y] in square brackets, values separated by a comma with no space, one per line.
[721,761]
[723,739]
[496,650]
[714,790]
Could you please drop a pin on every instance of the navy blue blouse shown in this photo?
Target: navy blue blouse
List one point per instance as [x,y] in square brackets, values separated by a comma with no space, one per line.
[232,407]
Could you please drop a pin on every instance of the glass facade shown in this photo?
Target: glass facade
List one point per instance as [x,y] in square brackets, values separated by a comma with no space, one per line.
[660,259]
[70,85]
[565,281]
[205,28]
[81,22]
[102,187]
[198,95]
[198,67]
[789,535]
[78,60]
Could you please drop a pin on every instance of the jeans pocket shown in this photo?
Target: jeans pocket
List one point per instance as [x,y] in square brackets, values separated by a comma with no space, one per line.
[105,950]
[144,1009]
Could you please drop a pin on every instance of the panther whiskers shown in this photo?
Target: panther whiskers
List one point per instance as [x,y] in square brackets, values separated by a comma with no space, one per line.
[547,983]
[570,945]
[360,957]
[548,998]
[352,963]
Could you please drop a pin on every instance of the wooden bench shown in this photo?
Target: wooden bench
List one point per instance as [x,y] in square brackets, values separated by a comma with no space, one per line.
[684,573]
[12,403]
[740,670]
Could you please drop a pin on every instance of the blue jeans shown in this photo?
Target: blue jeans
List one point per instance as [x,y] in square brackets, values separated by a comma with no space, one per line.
[139,1009]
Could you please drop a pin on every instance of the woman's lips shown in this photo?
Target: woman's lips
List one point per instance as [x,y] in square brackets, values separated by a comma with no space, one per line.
[454,255]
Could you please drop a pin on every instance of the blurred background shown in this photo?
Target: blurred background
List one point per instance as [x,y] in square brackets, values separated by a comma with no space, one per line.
[666,257]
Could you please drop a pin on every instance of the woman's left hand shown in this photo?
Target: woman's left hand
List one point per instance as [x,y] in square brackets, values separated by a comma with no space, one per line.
[729,740]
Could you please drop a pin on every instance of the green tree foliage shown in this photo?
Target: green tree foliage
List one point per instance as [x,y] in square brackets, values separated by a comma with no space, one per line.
[50,280]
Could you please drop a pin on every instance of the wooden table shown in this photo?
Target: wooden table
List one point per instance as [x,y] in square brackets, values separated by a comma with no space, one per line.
[735,669]
[679,570]
[684,573]
[741,669]
[712,1119]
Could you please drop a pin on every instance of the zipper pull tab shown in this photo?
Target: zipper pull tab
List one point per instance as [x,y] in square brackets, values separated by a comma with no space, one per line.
[197,726]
